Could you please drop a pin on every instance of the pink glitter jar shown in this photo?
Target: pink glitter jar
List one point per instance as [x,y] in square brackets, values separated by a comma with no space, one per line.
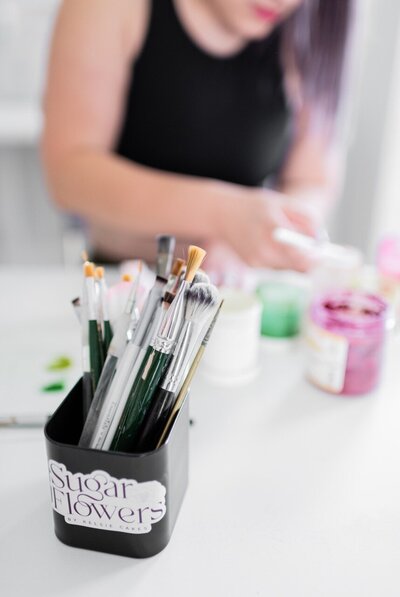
[345,341]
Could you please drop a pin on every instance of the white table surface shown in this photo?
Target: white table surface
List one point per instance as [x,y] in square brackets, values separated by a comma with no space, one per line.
[292,492]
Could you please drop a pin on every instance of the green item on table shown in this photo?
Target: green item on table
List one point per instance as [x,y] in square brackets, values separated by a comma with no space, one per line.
[56,386]
[283,306]
[59,363]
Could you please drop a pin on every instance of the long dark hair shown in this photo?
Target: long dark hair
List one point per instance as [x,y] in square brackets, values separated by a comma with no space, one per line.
[314,45]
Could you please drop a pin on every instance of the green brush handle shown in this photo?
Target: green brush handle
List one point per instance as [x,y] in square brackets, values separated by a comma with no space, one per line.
[151,372]
[96,353]
[107,335]
[155,420]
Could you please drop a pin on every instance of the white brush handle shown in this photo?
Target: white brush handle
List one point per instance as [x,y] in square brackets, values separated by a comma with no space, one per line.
[321,249]
[119,339]
[118,385]
[123,400]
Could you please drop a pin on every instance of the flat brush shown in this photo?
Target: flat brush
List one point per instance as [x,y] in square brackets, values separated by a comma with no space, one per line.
[115,351]
[156,361]
[165,253]
[188,380]
[201,301]
[119,387]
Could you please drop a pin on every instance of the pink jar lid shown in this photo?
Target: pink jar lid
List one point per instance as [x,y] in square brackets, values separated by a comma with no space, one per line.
[350,312]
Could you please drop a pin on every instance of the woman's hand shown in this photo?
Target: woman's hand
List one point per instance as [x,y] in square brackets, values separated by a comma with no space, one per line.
[250,221]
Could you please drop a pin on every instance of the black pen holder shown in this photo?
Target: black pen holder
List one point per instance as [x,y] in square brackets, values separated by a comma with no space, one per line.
[125,504]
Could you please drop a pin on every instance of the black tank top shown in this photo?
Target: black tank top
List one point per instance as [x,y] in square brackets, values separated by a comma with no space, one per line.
[192,113]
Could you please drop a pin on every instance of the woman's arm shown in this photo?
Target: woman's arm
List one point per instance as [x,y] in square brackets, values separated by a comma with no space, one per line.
[95,42]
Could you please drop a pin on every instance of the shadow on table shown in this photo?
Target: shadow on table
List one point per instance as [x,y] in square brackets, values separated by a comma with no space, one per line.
[34,562]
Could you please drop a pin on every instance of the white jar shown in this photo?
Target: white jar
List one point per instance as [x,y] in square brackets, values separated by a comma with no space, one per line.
[232,355]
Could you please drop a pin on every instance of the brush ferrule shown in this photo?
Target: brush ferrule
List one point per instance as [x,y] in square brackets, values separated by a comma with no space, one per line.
[131,302]
[181,356]
[164,345]
[148,312]
[170,284]
[173,318]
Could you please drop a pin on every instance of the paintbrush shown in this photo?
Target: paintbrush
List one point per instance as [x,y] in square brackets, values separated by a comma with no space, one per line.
[103,308]
[150,335]
[87,386]
[165,254]
[76,305]
[201,301]
[188,380]
[23,421]
[115,351]
[176,270]
[119,386]
[157,359]
[95,344]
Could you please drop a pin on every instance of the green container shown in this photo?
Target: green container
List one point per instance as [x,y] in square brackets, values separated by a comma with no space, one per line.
[282,309]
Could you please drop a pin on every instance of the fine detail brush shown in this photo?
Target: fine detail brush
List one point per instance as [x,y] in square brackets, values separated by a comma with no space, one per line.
[115,351]
[188,380]
[157,359]
[103,308]
[95,343]
[76,305]
[165,253]
[120,383]
[201,301]
[87,385]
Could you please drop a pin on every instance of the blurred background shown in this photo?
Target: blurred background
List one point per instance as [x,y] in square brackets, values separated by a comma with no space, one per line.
[32,229]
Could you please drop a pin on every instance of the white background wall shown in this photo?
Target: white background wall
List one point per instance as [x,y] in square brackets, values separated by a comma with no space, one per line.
[386,211]
[368,206]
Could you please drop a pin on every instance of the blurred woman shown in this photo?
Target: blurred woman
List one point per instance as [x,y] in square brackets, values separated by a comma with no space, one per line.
[211,120]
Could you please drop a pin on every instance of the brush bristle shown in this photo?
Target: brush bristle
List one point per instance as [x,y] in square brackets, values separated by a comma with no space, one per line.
[99,272]
[201,299]
[84,256]
[179,264]
[140,265]
[201,278]
[127,278]
[195,259]
[88,269]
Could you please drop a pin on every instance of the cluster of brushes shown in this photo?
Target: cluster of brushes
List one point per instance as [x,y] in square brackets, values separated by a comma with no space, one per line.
[136,377]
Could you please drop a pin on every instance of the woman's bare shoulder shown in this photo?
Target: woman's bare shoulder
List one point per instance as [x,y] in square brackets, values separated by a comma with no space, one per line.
[126,18]
[136,15]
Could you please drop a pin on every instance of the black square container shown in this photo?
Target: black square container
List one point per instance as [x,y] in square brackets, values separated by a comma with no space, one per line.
[125,504]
